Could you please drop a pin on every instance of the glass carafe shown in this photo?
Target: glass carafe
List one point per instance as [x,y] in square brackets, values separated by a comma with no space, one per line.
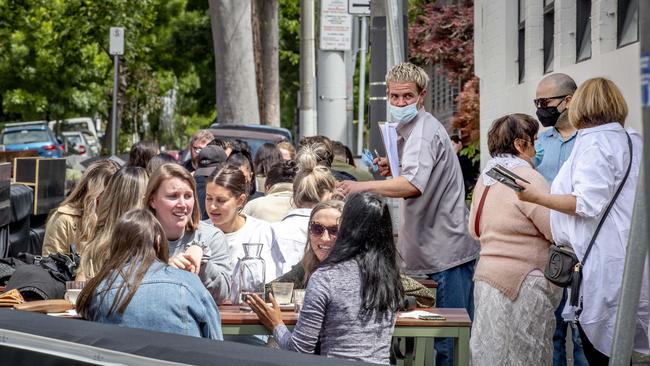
[252,271]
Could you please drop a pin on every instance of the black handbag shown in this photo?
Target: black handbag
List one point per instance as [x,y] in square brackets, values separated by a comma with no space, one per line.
[563,267]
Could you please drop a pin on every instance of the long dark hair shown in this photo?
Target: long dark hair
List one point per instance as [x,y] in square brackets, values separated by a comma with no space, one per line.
[266,155]
[138,241]
[366,235]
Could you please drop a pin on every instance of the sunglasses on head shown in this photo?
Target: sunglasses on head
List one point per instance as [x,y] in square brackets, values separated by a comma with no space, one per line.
[543,102]
[317,229]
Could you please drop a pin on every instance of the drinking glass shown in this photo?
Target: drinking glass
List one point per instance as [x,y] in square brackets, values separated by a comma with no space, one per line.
[298,299]
[282,292]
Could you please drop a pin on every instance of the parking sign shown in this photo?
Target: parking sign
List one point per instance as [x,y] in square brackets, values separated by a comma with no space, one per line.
[116,36]
[359,7]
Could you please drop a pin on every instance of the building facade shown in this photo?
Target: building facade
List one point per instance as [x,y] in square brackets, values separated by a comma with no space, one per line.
[518,42]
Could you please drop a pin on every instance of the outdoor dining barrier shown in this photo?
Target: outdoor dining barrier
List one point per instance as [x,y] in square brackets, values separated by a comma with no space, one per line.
[28,338]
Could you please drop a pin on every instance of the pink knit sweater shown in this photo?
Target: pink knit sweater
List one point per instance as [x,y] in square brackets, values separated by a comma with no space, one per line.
[514,235]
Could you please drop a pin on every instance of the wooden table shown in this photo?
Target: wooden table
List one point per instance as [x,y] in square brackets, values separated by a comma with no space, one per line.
[456,326]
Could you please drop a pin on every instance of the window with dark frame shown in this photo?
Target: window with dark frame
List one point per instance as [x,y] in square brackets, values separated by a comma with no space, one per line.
[583,30]
[627,22]
[549,34]
[521,43]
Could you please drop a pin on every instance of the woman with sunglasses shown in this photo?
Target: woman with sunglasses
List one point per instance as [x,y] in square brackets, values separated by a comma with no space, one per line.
[353,295]
[312,184]
[323,229]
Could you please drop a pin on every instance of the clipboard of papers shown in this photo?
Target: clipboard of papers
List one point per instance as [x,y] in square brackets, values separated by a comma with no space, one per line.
[506,177]
[388,132]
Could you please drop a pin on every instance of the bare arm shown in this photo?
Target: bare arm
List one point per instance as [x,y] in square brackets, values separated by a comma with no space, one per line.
[398,187]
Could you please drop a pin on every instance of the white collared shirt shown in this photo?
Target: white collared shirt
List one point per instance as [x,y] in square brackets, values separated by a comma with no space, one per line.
[592,173]
[291,236]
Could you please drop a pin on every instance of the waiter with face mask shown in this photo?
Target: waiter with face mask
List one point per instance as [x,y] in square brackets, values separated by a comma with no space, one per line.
[554,145]
[433,237]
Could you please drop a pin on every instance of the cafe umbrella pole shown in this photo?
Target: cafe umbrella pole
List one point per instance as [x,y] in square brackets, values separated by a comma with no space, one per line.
[637,249]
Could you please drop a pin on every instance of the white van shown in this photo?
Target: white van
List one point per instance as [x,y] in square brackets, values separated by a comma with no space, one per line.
[78,124]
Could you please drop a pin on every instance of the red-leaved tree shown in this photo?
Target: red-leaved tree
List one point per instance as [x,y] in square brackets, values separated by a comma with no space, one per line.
[444,35]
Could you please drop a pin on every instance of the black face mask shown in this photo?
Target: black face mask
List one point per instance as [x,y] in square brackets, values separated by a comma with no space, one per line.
[548,116]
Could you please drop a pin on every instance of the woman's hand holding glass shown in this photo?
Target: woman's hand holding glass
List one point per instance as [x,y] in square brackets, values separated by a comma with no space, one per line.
[271,317]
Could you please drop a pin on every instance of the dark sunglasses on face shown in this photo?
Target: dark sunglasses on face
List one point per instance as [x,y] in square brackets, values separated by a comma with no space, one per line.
[317,229]
[543,102]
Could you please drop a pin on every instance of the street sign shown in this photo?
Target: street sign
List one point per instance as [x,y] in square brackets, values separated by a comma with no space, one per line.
[116,36]
[335,26]
[359,7]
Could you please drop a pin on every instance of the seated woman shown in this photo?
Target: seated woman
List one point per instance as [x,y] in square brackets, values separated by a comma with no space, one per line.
[137,289]
[353,296]
[319,245]
[313,183]
[514,303]
[226,193]
[123,193]
[193,245]
[75,218]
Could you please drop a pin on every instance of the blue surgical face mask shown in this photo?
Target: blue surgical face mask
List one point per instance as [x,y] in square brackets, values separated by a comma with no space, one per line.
[404,114]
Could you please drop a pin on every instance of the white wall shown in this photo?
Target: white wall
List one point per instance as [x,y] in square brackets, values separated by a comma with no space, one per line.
[495,52]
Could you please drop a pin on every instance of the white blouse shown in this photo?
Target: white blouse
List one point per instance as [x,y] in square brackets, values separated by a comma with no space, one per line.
[291,236]
[592,173]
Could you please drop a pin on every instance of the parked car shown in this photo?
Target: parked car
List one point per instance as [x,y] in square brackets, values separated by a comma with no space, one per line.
[254,135]
[32,136]
[76,124]
[76,142]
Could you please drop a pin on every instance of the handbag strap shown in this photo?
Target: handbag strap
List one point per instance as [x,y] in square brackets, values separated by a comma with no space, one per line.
[611,203]
[479,211]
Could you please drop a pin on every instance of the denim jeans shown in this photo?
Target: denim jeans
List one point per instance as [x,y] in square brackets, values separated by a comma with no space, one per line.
[455,290]
[559,339]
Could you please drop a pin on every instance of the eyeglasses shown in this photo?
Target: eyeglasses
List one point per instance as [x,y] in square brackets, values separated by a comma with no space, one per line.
[543,102]
[317,229]
[196,149]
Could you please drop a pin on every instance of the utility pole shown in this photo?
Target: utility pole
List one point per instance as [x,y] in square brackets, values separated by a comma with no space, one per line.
[307,69]
[383,57]
[637,248]
[377,84]
[362,83]
[335,39]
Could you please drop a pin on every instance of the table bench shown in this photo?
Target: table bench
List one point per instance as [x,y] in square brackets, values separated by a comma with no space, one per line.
[456,325]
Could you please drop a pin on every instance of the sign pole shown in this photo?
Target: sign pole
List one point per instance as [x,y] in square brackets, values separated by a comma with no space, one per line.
[116,73]
[116,38]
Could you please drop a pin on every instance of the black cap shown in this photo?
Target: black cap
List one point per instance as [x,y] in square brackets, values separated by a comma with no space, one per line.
[209,157]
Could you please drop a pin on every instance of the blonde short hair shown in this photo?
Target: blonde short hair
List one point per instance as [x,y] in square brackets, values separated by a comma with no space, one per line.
[406,72]
[596,102]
